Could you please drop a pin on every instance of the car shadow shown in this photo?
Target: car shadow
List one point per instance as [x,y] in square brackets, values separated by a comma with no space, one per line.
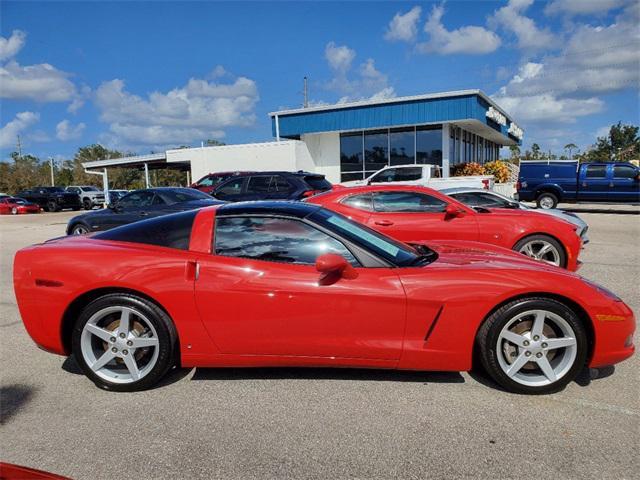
[321,373]
[12,399]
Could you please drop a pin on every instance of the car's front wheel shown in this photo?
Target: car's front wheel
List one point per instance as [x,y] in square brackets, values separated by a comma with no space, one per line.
[124,343]
[544,249]
[86,203]
[79,229]
[52,206]
[533,345]
[14,211]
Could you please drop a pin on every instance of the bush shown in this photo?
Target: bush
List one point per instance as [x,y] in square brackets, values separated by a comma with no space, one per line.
[464,169]
[498,169]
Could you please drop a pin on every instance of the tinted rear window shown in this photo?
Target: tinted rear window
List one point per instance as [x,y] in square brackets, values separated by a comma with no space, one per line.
[172,231]
[318,183]
[183,195]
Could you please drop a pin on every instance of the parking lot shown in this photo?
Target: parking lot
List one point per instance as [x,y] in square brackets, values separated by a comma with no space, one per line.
[320,423]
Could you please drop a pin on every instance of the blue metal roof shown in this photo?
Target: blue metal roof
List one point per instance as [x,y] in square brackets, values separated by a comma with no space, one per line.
[427,109]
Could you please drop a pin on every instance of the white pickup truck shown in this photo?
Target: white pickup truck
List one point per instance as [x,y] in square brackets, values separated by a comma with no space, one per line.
[424,175]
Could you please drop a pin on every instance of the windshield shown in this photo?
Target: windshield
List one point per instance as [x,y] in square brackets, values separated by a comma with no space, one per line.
[53,189]
[397,253]
[89,189]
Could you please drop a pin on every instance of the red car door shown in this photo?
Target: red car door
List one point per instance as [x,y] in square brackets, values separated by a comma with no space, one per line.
[260,294]
[415,216]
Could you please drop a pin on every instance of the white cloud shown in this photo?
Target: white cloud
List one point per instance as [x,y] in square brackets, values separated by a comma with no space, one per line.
[511,18]
[548,108]
[471,40]
[197,111]
[404,27]
[66,131]
[41,83]
[9,47]
[339,57]
[582,7]
[22,121]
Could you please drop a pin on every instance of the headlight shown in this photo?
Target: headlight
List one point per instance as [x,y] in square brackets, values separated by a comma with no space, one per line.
[605,291]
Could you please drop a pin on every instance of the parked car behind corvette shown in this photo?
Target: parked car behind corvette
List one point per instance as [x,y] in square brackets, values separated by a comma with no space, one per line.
[414,214]
[17,206]
[290,283]
[475,197]
[51,199]
[138,205]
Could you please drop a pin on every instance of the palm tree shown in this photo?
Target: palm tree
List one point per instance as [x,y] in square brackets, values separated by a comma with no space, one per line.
[571,147]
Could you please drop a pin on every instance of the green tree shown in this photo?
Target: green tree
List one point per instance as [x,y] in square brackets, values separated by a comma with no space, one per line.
[535,151]
[571,147]
[621,142]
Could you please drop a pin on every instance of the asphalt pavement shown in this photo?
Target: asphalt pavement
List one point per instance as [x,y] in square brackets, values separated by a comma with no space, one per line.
[319,423]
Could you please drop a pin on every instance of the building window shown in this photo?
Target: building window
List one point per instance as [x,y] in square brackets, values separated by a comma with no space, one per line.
[376,151]
[402,147]
[351,164]
[429,145]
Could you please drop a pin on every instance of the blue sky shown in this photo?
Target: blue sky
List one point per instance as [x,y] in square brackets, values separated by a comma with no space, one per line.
[141,77]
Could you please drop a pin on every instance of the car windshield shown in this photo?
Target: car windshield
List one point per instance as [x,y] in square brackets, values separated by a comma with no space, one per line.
[89,189]
[397,253]
[183,195]
[53,189]
[20,201]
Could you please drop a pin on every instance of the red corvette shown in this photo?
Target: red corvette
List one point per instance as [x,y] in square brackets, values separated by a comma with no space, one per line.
[16,206]
[280,283]
[414,214]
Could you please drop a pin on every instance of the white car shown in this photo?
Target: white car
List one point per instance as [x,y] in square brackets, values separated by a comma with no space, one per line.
[475,197]
[90,196]
[423,175]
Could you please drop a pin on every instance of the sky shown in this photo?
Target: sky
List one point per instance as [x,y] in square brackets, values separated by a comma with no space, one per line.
[145,76]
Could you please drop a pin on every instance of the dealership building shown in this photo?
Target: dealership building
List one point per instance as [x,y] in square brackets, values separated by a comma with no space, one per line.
[350,141]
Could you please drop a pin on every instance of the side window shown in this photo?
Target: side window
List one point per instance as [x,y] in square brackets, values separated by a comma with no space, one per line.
[488,200]
[596,171]
[136,199]
[205,182]
[275,239]
[407,202]
[233,187]
[362,202]
[387,175]
[408,174]
[279,184]
[470,199]
[157,200]
[259,184]
[73,190]
[623,171]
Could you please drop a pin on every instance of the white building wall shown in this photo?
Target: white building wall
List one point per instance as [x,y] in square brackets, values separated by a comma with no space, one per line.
[324,150]
[246,157]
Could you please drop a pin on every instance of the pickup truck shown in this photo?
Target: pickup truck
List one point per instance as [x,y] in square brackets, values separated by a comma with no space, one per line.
[423,175]
[51,199]
[90,196]
[549,182]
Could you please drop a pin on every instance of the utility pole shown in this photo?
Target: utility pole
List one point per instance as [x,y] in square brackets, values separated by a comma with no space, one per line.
[19,147]
[53,183]
[305,92]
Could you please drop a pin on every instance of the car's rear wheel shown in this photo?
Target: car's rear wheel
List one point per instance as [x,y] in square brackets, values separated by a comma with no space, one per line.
[14,211]
[79,229]
[533,346]
[124,343]
[542,248]
[52,206]
[86,203]
[547,200]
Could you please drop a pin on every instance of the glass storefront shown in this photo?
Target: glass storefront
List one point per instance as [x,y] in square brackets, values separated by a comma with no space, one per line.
[363,153]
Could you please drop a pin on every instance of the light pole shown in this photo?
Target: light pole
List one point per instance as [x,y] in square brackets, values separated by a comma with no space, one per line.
[53,184]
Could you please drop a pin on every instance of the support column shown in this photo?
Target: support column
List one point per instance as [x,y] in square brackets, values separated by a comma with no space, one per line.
[188,178]
[445,150]
[277,128]
[146,175]
[105,187]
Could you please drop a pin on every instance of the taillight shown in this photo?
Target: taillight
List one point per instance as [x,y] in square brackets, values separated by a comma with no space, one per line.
[485,182]
[310,193]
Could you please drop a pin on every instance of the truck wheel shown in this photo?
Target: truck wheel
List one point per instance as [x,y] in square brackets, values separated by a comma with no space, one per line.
[547,201]
[52,206]
[86,203]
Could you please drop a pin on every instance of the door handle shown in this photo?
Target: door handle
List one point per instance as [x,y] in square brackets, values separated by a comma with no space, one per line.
[384,223]
[192,270]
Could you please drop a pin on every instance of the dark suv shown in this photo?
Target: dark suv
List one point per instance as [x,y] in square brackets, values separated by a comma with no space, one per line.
[51,199]
[209,182]
[271,186]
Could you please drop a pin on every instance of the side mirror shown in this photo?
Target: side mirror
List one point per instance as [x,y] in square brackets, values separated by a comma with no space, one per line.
[451,211]
[333,267]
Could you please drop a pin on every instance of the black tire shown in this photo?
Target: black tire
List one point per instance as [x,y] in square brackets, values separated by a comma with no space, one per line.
[546,238]
[163,325]
[79,229]
[86,204]
[52,206]
[547,201]
[488,335]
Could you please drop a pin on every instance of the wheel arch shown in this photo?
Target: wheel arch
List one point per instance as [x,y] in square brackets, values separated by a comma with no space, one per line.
[75,307]
[582,314]
[548,188]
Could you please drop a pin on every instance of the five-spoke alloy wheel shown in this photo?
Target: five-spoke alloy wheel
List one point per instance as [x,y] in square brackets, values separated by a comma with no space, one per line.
[123,342]
[535,345]
[79,229]
[543,248]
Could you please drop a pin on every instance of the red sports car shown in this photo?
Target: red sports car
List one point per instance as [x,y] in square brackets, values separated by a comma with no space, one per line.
[290,283]
[414,214]
[16,206]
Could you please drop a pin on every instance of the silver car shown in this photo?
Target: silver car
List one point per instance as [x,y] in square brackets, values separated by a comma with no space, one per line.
[476,197]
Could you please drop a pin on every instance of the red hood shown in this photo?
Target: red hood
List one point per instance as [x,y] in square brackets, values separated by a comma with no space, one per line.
[459,252]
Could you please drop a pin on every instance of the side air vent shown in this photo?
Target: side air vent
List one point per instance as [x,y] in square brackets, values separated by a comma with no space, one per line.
[433,324]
